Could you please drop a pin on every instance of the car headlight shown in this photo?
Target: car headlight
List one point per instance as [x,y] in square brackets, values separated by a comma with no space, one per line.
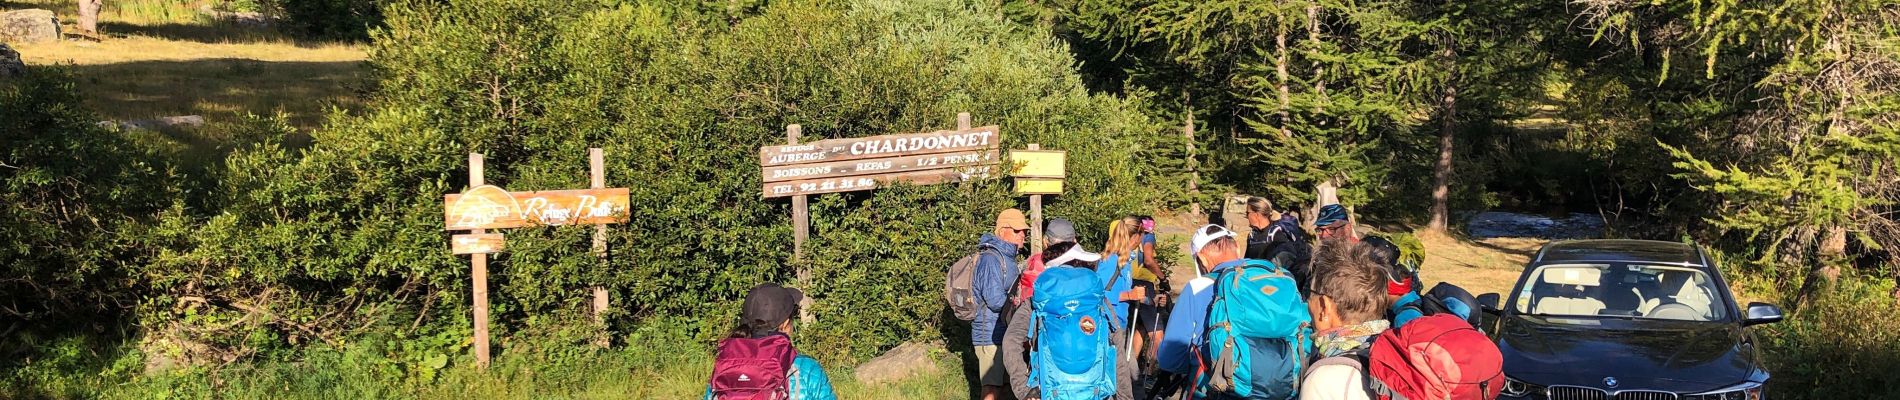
[1517,388]
[1744,391]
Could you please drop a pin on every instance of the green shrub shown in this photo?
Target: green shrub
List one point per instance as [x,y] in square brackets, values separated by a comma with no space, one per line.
[1840,345]
[344,237]
[73,198]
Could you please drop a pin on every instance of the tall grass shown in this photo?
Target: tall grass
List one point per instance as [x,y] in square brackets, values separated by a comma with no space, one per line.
[1843,344]
[665,366]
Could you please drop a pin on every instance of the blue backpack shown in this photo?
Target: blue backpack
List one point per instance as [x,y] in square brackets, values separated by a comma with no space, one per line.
[1259,333]
[1071,357]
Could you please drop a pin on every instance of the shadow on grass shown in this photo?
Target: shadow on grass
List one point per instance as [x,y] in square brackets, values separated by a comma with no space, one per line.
[222,89]
[217,31]
[1517,252]
[956,339]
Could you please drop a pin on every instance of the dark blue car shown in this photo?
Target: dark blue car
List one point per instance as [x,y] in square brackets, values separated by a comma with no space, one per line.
[1626,320]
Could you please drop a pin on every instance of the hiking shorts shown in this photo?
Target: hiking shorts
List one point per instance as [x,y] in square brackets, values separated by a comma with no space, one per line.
[989,367]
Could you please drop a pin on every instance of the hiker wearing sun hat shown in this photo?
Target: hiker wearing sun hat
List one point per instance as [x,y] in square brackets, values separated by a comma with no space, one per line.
[757,361]
[991,279]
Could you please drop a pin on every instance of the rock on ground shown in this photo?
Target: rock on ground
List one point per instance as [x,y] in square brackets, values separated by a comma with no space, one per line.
[907,360]
[28,26]
[10,64]
[181,121]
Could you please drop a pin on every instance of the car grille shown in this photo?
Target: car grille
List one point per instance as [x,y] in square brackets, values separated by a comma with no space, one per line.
[1580,393]
[1576,393]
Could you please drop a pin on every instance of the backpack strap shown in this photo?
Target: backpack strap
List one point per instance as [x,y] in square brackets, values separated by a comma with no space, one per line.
[791,378]
[1358,360]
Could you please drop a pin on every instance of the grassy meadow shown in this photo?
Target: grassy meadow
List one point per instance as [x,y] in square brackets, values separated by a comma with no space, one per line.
[164,57]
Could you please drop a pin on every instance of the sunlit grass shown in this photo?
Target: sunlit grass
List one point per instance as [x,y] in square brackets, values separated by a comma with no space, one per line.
[164,57]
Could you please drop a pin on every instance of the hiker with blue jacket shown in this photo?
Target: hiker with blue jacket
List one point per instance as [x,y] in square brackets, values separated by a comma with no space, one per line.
[1245,335]
[1029,370]
[757,361]
[1174,355]
[991,282]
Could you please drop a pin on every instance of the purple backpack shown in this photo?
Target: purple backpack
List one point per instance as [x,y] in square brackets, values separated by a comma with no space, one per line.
[753,368]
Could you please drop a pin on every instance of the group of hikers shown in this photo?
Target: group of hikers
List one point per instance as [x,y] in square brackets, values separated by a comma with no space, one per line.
[1290,315]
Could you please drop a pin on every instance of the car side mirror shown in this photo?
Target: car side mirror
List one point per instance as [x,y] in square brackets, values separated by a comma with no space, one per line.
[1761,313]
[1489,303]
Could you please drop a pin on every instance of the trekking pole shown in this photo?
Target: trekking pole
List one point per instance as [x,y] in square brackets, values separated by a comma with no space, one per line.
[1134,314]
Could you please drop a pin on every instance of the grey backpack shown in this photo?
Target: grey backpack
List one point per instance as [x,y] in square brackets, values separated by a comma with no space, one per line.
[959,286]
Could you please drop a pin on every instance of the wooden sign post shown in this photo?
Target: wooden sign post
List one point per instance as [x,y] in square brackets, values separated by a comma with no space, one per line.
[483,207]
[597,170]
[480,272]
[1038,172]
[851,164]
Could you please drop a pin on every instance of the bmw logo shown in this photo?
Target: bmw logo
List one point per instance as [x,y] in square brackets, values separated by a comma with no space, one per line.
[1609,381]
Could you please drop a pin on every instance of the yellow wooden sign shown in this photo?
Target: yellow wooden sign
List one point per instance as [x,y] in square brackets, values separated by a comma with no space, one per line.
[1039,163]
[1038,186]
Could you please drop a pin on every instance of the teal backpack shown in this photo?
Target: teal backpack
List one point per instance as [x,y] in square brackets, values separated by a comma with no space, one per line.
[1259,334]
[1071,357]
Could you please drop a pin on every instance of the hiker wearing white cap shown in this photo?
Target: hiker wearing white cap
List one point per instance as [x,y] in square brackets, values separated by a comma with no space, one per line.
[1214,249]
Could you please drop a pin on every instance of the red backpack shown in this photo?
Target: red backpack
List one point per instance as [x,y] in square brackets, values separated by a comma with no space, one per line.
[753,368]
[1430,358]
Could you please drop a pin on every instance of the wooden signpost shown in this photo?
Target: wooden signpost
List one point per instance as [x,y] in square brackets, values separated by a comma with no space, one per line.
[798,170]
[1038,172]
[484,207]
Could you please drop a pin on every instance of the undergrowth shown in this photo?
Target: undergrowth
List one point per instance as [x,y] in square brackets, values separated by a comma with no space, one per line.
[658,363]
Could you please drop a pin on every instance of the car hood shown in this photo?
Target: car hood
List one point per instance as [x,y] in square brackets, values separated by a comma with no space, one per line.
[1676,356]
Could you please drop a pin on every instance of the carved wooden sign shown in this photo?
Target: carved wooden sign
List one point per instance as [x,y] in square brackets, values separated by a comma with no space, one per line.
[491,207]
[981,138]
[476,243]
[850,164]
[868,182]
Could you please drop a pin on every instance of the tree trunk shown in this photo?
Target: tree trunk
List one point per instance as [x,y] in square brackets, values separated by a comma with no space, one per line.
[1319,71]
[1279,69]
[89,16]
[1441,173]
[1194,173]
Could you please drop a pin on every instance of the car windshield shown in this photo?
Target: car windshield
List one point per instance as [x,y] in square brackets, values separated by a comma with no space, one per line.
[1621,290]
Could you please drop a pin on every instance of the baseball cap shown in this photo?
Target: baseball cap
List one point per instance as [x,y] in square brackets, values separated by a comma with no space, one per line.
[1012,219]
[1331,214]
[1059,230]
[1208,234]
[1398,277]
[769,305]
[1075,253]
